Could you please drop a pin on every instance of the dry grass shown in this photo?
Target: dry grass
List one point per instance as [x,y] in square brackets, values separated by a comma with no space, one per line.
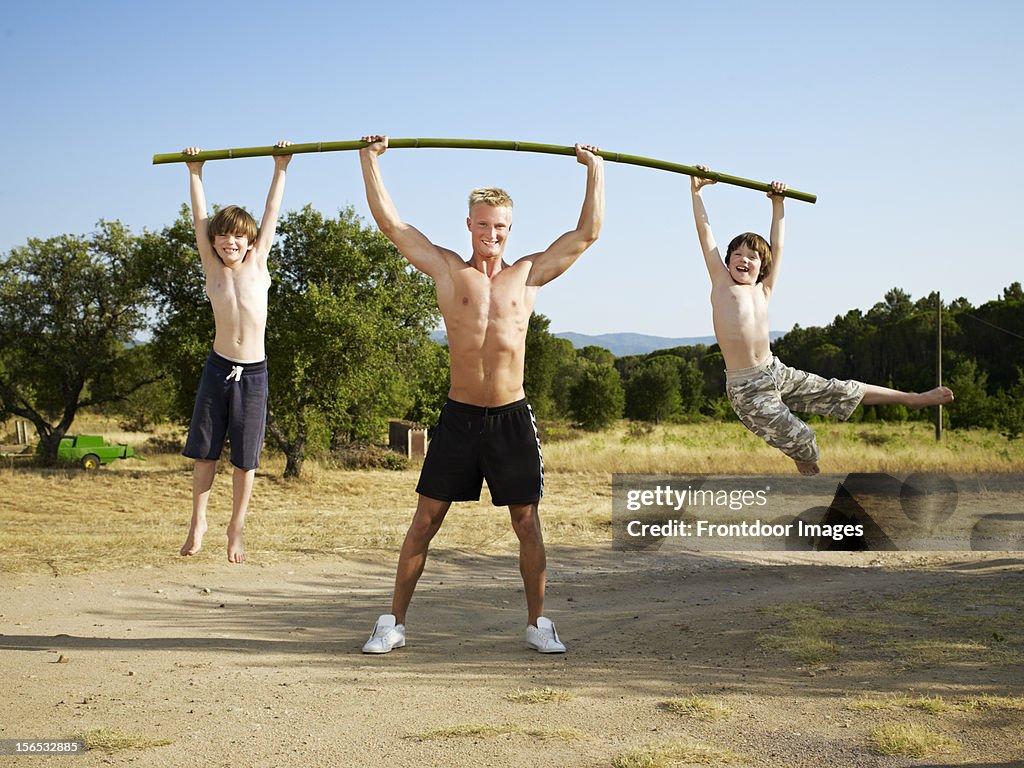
[539,695]
[727,448]
[803,634]
[111,740]
[890,629]
[933,705]
[134,513]
[481,730]
[680,752]
[936,705]
[912,740]
[698,707]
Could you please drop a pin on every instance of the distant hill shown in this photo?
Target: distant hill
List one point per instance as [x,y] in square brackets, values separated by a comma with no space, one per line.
[622,344]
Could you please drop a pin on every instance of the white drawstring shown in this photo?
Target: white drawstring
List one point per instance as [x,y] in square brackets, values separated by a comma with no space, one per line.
[236,373]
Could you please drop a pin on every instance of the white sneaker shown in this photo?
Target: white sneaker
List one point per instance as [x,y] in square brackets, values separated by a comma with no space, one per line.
[386,635]
[543,637]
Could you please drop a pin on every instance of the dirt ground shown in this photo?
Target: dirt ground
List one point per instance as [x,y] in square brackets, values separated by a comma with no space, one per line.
[205,663]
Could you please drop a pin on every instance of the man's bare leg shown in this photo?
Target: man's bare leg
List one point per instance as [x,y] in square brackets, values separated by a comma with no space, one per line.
[241,490]
[875,395]
[202,481]
[426,522]
[532,558]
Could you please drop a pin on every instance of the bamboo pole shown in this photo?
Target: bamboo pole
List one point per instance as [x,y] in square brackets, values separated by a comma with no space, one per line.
[513,146]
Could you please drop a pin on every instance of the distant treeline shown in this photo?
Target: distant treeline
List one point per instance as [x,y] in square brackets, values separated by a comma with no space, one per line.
[895,344]
[349,347]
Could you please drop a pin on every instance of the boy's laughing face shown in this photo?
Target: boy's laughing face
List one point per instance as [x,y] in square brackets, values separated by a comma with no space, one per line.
[231,249]
[744,265]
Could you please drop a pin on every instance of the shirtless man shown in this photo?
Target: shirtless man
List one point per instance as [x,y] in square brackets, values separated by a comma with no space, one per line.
[486,429]
[232,396]
[762,390]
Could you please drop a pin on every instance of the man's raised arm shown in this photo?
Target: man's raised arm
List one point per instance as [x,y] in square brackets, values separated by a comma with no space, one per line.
[562,253]
[412,243]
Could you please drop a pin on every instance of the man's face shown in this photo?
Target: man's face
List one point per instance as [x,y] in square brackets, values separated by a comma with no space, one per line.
[231,248]
[744,265]
[489,227]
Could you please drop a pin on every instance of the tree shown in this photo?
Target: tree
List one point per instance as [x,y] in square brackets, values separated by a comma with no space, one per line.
[652,390]
[973,408]
[1013,292]
[430,384]
[597,397]
[1009,409]
[597,355]
[544,354]
[348,327]
[691,387]
[70,309]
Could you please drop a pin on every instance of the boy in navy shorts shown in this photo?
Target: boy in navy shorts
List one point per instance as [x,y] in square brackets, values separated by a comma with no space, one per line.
[232,397]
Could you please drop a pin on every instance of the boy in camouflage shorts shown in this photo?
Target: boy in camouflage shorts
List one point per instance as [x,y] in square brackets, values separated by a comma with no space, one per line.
[762,390]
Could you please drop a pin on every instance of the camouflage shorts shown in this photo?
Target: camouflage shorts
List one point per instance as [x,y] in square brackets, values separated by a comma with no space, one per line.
[765,396]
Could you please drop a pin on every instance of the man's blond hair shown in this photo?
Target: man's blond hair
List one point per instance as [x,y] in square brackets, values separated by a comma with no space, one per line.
[492,196]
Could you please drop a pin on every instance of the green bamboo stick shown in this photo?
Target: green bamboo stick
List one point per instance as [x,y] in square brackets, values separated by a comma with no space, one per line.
[513,146]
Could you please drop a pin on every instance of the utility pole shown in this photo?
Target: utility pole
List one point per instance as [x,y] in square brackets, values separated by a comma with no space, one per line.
[938,360]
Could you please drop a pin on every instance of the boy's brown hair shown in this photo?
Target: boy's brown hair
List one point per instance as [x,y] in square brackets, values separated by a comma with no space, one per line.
[233,220]
[759,245]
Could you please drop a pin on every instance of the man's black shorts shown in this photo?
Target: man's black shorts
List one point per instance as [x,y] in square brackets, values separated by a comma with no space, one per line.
[232,402]
[471,443]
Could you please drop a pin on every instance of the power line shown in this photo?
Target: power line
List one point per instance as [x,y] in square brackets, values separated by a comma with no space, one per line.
[991,325]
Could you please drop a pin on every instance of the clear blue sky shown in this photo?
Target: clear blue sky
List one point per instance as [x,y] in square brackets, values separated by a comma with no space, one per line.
[905,118]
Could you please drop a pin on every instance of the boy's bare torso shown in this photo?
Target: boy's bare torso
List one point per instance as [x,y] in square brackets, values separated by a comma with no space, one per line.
[740,316]
[487,318]
[239,296]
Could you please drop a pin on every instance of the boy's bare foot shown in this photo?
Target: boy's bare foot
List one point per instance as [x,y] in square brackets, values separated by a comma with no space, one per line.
[236,551]
[194,541]
[937,396]
[807,467]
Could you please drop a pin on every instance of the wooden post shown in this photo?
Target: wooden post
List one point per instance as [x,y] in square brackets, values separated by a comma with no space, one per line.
[938,360]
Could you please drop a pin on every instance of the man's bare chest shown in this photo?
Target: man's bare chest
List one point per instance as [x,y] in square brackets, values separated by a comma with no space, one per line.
[485,299]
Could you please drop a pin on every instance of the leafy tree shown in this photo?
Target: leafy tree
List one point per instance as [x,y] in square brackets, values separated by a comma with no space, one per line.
[973,407]
[652,390]
[543,353]
[691,387]
[568,371]
[597,397]
[1009,409]
[70,308]
[430,383]
[597,355]
[150,404]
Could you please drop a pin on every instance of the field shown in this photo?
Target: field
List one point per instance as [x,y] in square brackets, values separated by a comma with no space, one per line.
[771,659]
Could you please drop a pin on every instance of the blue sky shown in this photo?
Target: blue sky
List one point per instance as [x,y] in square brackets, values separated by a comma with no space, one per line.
[905,118]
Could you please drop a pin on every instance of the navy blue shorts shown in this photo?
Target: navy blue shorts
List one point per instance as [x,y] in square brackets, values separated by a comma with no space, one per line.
[232,402]
[471,443]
